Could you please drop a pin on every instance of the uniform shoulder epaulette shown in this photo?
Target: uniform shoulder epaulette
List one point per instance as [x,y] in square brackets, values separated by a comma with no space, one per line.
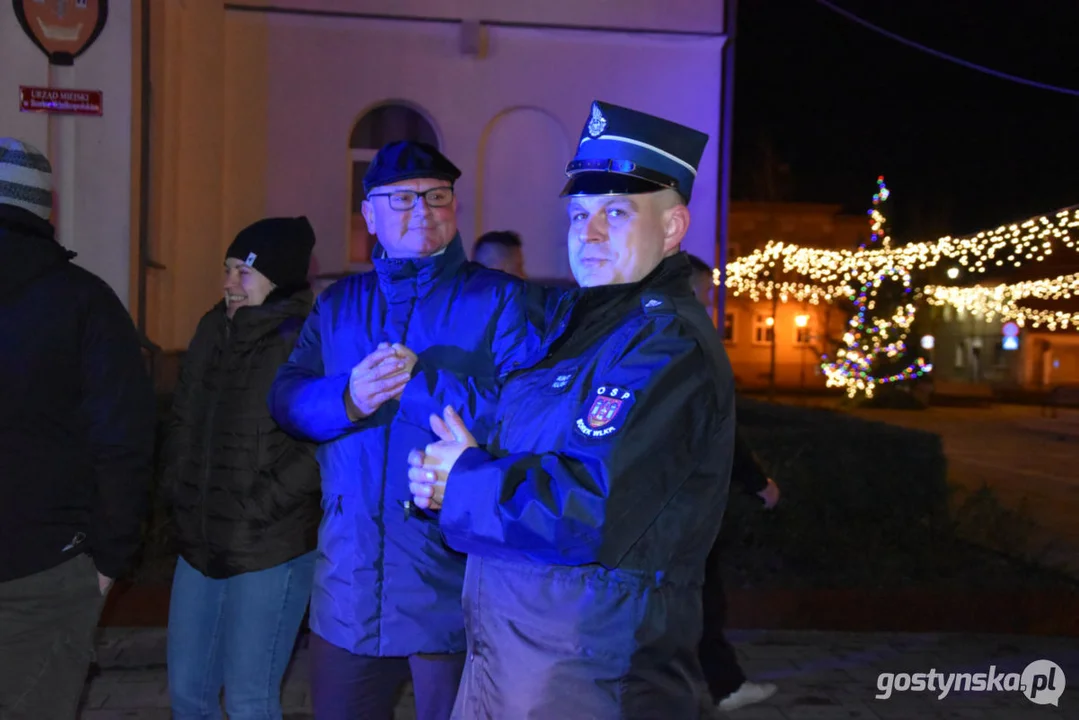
[656,304]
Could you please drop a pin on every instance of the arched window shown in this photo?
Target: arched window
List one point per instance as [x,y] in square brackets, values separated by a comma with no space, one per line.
[380,125]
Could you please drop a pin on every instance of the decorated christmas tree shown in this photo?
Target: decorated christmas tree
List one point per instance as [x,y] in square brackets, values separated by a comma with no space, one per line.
[874,351]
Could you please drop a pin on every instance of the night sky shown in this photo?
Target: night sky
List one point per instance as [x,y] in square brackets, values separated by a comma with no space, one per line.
[834,105]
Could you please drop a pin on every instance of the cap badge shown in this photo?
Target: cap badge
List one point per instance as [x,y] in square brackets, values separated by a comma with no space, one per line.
[250,261]
[598,123]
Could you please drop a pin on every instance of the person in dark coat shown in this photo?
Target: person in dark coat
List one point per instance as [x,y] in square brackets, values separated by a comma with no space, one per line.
[244,494]
[726,680]
[379,353]
[587,517]
[77,417]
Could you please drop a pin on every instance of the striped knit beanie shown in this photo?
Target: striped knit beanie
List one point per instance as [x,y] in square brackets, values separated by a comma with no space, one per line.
[25,177]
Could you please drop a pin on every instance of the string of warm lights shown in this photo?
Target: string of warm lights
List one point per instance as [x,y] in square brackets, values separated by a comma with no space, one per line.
[836,271]
[1002,301]
[1032,240]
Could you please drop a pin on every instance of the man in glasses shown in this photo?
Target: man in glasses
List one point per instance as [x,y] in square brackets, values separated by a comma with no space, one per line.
[379,353]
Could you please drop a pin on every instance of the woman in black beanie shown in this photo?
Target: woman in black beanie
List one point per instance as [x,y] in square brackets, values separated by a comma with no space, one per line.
[244,495]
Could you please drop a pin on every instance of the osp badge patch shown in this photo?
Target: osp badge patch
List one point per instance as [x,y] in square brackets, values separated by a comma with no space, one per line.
[604,412]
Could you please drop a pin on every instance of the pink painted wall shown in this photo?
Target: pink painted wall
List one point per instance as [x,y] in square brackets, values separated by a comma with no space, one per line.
[324,73]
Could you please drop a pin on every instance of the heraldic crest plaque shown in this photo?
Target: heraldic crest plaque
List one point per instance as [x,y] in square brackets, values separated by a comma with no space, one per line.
[63,29]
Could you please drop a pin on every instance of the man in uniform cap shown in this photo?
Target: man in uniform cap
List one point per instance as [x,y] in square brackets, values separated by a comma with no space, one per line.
[588,516]
[380,352]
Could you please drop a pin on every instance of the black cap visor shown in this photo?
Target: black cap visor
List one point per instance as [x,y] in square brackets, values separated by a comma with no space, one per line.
[610,183]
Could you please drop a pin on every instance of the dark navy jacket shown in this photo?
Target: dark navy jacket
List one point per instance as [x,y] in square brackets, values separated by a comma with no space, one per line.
[77,410]
[385,583]
[589,515]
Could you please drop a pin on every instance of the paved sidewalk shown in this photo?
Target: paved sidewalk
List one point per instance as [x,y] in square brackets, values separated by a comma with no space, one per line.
[821,675]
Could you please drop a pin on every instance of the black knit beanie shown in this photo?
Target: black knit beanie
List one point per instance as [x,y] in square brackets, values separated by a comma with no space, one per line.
[279,248]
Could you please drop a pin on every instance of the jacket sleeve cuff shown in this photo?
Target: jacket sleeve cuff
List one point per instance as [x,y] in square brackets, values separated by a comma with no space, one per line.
[470,494]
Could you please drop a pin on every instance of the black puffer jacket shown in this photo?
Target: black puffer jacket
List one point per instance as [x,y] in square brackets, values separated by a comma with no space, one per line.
[76,410]
[245,495]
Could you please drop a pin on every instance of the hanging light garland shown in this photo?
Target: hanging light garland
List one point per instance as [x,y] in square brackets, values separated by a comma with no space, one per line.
[833,273]
[1002,301]
[832,270]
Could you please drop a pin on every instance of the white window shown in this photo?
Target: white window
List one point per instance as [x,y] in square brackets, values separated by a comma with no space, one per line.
[728,328]
[380,125]
[763,329]
[803,329]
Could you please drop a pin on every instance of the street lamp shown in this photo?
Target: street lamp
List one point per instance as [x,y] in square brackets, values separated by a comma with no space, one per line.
[801,322]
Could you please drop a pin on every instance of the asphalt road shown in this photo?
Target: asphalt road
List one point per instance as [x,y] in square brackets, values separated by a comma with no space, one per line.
[1031,463]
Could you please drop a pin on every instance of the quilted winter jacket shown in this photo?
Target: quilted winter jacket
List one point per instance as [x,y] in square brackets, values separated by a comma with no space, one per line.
[244,494]
[385,582]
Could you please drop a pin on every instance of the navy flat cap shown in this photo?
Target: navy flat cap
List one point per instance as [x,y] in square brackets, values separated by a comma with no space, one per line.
[626,152]
[408,160]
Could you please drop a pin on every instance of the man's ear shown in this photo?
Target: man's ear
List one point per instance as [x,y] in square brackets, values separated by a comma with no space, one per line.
[368,211]
[675,227]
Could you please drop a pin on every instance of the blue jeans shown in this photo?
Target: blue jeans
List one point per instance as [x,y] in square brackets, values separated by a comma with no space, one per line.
[236,633]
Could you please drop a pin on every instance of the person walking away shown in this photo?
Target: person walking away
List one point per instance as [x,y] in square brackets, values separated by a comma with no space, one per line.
[244,494]
[726,680]
[77,420]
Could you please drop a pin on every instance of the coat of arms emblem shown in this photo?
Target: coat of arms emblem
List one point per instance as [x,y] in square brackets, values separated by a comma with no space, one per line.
[603,410]
[62,29]
[597,124]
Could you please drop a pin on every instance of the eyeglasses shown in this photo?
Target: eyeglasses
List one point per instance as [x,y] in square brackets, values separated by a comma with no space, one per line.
[407,199]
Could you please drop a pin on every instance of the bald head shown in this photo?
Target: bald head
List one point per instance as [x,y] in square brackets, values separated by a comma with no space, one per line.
[500,250]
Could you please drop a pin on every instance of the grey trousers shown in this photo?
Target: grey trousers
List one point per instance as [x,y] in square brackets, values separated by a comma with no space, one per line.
[47,624]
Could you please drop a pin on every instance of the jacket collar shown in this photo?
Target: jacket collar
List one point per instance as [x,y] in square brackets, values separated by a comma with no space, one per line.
[406,278]
[253,322]
[28,248]
[606,305]
[670,277]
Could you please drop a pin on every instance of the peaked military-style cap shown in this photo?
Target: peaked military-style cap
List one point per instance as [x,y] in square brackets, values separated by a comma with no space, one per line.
[626,152]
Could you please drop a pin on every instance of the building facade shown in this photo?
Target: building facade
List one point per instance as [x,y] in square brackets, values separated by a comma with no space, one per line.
[275,107]
[93,157]
[795,333]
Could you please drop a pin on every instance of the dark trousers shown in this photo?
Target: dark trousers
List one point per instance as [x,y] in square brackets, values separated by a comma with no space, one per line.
[718,660]
[47,623]
[346,686]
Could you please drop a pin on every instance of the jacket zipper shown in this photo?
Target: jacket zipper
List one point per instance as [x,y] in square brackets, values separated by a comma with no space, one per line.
[382,493]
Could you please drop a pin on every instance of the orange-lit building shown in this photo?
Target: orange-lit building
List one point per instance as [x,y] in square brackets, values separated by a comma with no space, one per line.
[801,332]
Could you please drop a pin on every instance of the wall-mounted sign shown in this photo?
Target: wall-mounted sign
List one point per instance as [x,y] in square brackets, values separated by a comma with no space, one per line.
[63,29]
[60,100]
[1010,342]
[1010,329]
